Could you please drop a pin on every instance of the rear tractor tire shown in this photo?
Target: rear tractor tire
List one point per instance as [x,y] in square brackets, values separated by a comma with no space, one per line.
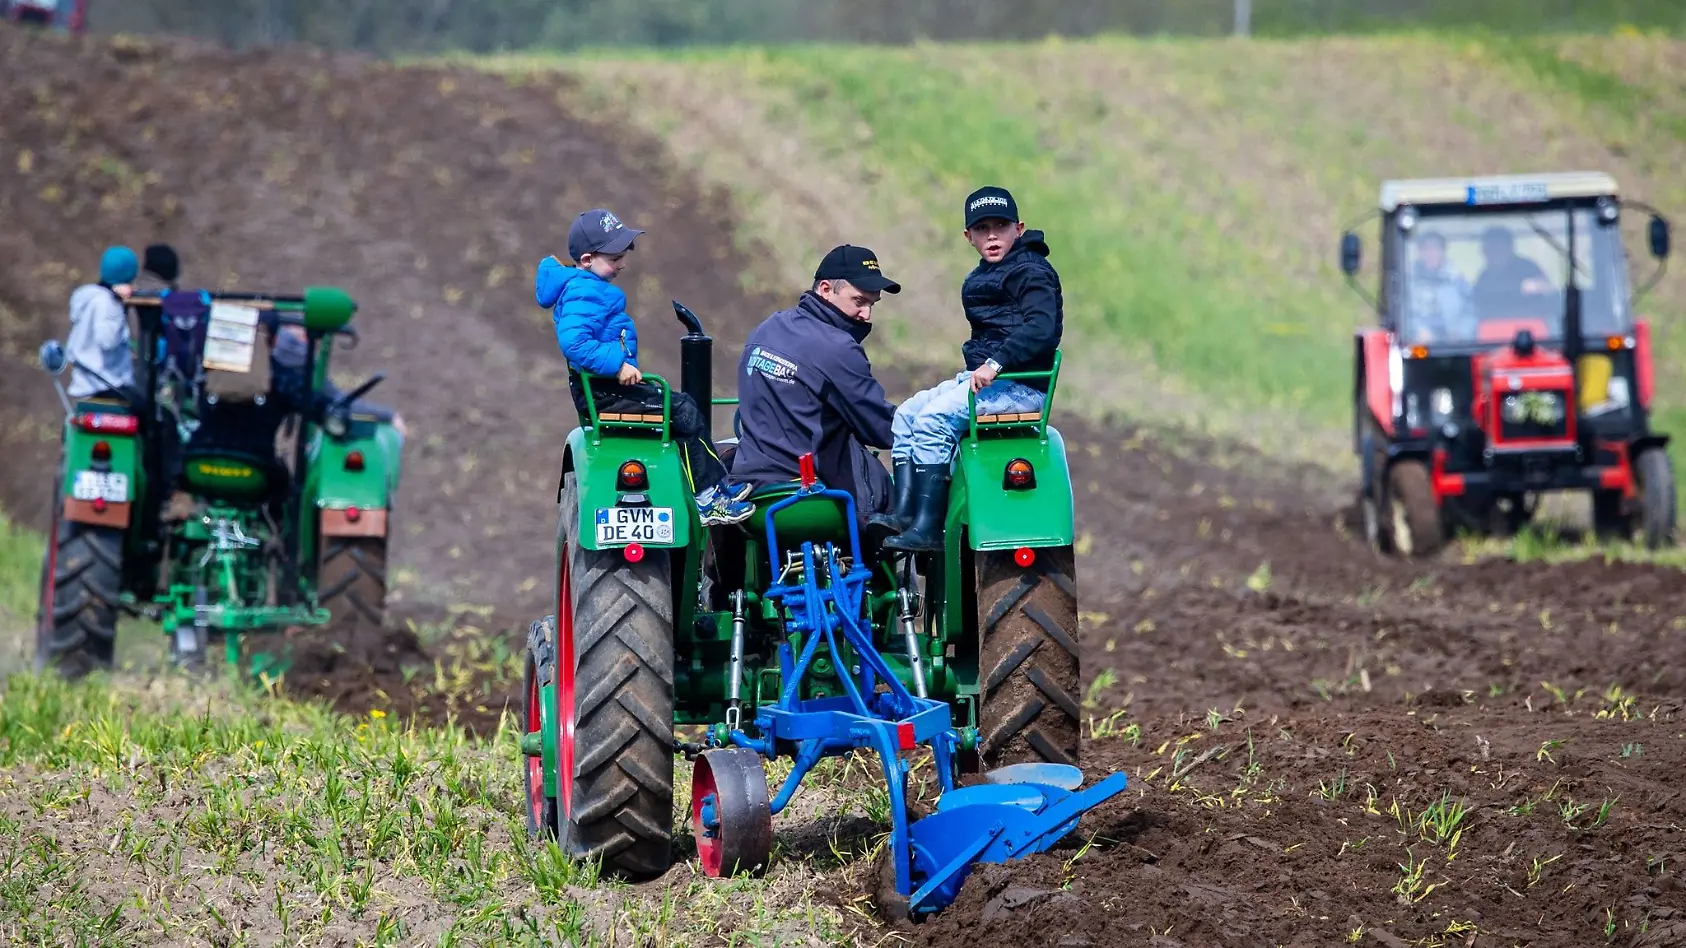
[352,578]
[616,661]
[1411,522]
[81,589]
[1028,658]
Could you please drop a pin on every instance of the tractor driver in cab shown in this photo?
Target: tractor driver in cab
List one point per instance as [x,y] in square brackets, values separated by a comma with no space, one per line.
[1439,296]
[806,385]
[1511,285]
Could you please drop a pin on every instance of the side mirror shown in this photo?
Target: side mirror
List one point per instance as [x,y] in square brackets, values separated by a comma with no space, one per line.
[1659,236]
[327,308]
[1351,252]
[52,357]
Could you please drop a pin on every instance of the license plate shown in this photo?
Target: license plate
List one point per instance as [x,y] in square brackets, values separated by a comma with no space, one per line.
[618,526]
[109,486]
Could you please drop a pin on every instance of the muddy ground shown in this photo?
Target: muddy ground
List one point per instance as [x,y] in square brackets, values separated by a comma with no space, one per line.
[1291,706]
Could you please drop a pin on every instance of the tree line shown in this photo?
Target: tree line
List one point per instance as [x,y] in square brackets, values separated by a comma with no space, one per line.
[422,26]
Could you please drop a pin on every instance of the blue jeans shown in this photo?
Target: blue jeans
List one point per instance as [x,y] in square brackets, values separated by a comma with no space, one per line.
[928,425]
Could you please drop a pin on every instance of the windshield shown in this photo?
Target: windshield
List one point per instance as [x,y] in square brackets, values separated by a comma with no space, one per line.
[1479,277]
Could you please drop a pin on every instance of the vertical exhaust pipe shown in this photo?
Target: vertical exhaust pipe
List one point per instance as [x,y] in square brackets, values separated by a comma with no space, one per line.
[696,366]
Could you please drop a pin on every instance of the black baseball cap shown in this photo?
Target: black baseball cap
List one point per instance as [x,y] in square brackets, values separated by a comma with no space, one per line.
[991,202]
[859,266]
[599,231]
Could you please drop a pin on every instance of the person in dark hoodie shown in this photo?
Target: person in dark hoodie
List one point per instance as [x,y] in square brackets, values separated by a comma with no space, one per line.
[805,385]
[1012,299]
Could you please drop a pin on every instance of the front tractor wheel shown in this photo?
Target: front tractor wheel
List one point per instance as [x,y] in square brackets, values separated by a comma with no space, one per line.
[1027,620]
[1655,474]
[1412,522]
[614,625]
[542,820]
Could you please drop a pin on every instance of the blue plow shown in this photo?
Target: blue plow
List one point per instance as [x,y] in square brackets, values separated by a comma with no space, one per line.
[1020,810]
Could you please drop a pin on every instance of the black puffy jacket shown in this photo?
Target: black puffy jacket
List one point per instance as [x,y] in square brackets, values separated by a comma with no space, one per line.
[1016,310]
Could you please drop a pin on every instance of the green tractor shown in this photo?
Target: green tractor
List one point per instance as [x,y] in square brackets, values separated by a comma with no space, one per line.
[659,622]
[179,500]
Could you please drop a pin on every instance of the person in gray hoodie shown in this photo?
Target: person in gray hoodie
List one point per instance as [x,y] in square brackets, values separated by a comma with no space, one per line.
[99,329]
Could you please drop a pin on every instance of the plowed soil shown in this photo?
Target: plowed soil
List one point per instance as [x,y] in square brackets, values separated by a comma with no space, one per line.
[1323,747]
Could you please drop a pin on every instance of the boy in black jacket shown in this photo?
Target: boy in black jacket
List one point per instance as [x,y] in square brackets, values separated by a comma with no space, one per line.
[1012,299]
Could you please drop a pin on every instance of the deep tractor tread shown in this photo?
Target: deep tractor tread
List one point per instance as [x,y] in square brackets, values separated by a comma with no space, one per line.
[1029,658]
[353,574]
[79,635]
[623,730]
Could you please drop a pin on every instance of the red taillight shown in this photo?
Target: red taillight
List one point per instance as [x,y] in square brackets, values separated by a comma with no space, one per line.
[99,505]
[632,476]
[108,424]
[806,463]
[354,461]
[102,451]
[1024,556]
[352,514]
[633,552]
[1019,475]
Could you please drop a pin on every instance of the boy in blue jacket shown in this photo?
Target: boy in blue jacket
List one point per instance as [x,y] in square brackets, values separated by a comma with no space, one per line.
[598,337]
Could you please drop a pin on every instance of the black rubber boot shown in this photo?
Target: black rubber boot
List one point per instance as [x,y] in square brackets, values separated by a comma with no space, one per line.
[930,497]
[882,526]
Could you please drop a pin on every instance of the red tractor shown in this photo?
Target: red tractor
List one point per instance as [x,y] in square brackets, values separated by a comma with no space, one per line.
[1492,377]
[69,15]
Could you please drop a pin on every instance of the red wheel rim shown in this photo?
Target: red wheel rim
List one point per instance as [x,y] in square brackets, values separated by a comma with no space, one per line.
[564,682]
[535,765]
[709,850]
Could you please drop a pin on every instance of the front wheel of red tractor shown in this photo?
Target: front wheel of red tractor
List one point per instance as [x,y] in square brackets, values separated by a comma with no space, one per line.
[1655,474]
[1412,521]
[1028,659]
[614,647]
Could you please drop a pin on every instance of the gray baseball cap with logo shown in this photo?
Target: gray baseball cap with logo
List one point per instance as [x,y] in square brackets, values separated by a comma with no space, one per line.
[599,231]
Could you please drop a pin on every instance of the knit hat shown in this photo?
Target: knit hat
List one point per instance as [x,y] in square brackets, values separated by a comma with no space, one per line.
[118,265]
[162,262]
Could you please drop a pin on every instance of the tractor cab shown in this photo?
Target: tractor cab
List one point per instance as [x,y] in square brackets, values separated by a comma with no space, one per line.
[1507,360]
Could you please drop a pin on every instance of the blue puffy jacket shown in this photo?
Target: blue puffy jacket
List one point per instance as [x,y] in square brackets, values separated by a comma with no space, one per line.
[596,334]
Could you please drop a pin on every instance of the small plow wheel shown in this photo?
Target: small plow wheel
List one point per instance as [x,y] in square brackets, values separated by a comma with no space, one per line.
[542,809]
[730,813]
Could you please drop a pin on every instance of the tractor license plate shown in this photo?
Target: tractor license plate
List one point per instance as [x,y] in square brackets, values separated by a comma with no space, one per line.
[111,487]
[623,525]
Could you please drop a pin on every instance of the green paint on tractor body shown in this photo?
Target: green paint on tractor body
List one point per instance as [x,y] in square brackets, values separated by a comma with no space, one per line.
[685,597]
[250,557]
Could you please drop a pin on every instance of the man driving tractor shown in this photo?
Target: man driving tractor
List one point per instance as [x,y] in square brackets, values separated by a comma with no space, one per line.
[805,385]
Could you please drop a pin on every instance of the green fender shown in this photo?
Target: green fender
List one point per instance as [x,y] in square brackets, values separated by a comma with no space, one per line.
[596,461]
[997,518]
[125,459]
[335,486]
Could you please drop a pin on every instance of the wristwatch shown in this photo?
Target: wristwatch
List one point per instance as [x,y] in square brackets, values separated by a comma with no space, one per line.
[994,365]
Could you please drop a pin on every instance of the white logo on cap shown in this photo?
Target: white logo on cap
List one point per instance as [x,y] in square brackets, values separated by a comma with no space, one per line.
[610,223]
[989,200]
